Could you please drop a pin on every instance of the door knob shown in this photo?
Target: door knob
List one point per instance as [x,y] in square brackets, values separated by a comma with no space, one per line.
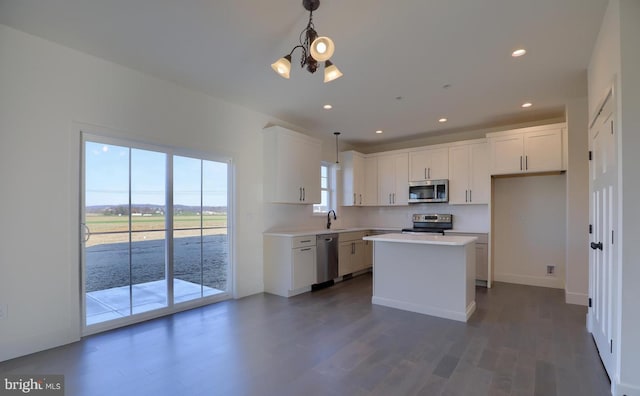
[595,246]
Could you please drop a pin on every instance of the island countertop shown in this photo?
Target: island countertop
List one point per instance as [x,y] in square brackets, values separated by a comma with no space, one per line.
[428,239]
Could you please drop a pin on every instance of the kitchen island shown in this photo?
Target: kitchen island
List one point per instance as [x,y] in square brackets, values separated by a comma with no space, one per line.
[425,273]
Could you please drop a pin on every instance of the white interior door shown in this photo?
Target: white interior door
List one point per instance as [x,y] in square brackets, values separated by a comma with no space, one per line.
[603,257]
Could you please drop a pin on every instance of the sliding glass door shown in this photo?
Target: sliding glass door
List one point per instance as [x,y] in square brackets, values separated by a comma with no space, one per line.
[155,231]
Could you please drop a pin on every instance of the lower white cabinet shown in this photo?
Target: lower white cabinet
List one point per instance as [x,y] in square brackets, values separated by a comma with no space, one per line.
[289,264]
[482,253]
[352,253]
[303,266]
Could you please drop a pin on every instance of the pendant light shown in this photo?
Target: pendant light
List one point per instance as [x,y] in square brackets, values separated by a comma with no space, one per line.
[337,166]
[314,48]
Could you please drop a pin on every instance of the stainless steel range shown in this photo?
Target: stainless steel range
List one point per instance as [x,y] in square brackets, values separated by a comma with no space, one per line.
[431,222]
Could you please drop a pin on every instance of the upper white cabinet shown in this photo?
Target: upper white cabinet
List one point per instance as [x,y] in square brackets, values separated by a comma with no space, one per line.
[528,150]
[359,179]
[429,164]
[393,179]
[292,167]
[469,179]
[370,196]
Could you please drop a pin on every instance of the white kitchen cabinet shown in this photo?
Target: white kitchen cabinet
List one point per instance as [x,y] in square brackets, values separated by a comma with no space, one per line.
[429,164]
[352,253]
[393,179]
[289,264]
[292,167]
[353,178]
[359,179]
[370,196]
[482,254]
[527,150]
[303,265]
[469,179]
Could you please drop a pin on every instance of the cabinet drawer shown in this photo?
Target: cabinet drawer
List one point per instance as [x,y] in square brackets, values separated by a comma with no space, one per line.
[351,236]
[302,241]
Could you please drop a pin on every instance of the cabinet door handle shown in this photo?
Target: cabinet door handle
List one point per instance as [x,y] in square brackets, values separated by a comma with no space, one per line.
[520,162]
[389,198]
[300,191]
[425,173]
[466,195]
[305,249]
[354,198]
[429,174]
[360,199]
[470,200]
[526,162]
[304,194]
[307,241]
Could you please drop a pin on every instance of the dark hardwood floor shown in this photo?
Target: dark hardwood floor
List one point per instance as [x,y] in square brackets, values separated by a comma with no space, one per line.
[521,341]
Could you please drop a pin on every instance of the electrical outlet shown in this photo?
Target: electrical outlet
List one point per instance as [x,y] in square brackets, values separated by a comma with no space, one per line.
[4,311]
[551,270]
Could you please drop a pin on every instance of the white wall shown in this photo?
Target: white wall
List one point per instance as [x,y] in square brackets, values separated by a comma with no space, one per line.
[616,61]
[630,194]
[529,229]
[577,203]
[44,88]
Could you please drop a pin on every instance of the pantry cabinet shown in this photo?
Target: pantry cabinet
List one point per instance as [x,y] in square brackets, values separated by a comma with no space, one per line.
[469,179]
[393,179]
[429,164]
[528,150]
[291,167]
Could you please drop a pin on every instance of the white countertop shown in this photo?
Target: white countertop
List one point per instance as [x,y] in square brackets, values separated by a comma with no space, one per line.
[429,239]
[297,233]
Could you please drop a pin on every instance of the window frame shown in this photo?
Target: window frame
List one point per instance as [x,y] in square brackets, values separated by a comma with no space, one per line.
[330,189]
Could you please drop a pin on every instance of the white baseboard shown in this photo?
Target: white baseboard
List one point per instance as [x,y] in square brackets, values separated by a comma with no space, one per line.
[441,313]
[576,298]
[620,389]
[542,281]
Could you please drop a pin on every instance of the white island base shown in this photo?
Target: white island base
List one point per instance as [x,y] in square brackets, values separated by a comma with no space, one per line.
[428,274]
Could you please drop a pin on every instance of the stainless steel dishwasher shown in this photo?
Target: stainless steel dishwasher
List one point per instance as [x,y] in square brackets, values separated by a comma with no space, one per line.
[326,259]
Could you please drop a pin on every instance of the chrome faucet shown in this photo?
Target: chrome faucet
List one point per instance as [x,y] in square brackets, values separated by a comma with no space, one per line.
[329,218]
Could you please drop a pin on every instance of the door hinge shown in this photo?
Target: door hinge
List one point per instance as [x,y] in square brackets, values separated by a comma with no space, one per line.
[590,228]
[590,155]
[590,302]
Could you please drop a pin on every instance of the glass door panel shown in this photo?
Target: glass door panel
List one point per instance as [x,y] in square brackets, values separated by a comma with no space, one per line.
[106,221]
[187,228]
[214,227]
[148,208]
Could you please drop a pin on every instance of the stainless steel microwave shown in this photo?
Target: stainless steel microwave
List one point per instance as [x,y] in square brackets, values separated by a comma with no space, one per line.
[429,191]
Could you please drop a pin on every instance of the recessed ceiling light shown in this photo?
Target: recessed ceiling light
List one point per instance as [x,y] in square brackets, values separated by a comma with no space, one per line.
[518,52]
[527,104]
[442,120]
[327,107]
[378,131]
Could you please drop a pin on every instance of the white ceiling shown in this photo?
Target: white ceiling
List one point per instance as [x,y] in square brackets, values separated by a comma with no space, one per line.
[386,49]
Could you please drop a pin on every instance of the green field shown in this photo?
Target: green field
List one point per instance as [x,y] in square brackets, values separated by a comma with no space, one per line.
[149,227]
